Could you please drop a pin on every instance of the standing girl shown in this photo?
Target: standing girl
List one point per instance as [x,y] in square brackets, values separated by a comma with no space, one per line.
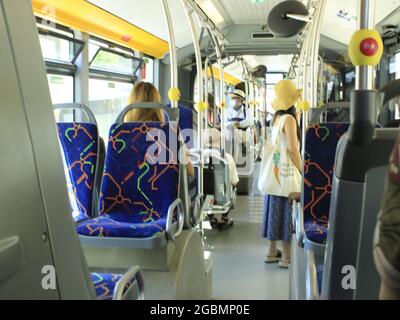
[277,220]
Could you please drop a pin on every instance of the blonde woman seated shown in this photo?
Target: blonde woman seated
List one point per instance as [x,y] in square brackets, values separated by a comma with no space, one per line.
[146,92]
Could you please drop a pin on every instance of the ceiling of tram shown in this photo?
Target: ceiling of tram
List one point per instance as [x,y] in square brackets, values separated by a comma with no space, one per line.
[244,11]
[339,21]
[239,18]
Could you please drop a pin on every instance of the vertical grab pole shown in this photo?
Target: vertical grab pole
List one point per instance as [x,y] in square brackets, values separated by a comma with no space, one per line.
[215,117]
[316,36]
[365,74]
[256,100]
[173,94]
[200,86]
[305,84]
[365,50]
[221,92]
[206,91]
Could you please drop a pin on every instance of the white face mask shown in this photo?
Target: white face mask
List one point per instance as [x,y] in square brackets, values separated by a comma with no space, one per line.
[234,105]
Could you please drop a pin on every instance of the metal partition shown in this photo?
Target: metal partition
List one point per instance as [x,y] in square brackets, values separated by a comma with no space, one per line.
[37,235]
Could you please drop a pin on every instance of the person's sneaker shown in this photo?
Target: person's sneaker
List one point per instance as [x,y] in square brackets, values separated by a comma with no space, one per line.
[284,264]
[225,224]
[271,259]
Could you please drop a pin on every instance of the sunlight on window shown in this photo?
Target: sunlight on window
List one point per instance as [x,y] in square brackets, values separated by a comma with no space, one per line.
[56,49]
[61,88]
[106,100]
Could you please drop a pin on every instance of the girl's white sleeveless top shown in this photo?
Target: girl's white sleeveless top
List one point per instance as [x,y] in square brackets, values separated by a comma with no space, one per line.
[275,132]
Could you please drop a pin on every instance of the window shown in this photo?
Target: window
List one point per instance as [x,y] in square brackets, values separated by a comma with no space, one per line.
[274,78]
[111,60]
[270,97]
[113,71]
[115,62]
[148,70]
[61,88]
[54,48]
[107,99]
[60,51]
[350,76]
[59,46]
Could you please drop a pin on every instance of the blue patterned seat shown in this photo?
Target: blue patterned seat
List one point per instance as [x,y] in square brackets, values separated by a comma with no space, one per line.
[185,117]
[104,284]
[79,143]
[186,128]
[320,151]
[139,184]
[186,124]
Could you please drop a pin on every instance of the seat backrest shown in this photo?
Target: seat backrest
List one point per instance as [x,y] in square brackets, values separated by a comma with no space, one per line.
[40,254]
[141,173]
[79,143]
[186,123]
[320,151]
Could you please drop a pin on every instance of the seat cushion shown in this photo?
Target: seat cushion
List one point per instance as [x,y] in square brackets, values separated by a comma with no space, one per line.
[320,273]
[121,226]
[315,231]
[104,284]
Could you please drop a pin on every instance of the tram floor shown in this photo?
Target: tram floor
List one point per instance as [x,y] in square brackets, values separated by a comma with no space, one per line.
[239,270]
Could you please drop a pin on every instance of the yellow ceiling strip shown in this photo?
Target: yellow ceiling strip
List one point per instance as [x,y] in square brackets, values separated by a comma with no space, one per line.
[227,77]
[86,17]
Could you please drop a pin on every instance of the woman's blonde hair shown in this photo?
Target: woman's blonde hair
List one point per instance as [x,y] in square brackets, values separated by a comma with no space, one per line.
[144,92]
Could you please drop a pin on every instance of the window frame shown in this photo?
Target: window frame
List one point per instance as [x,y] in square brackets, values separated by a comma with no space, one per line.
[59,68]
[60,64]
[109,75]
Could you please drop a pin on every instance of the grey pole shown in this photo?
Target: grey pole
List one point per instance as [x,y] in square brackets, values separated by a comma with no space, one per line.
[206,91]
[172,49]
[222,101]
[365,74]
[316,36]
[200,91]
[304,63]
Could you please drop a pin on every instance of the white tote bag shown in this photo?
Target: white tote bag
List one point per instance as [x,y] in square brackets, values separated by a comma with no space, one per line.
[278,175]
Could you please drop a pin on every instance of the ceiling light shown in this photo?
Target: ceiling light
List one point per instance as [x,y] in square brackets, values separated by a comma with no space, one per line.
[212,12]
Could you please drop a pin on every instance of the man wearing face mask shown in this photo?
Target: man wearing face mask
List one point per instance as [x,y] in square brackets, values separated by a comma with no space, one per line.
[236,119]
[236,115]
